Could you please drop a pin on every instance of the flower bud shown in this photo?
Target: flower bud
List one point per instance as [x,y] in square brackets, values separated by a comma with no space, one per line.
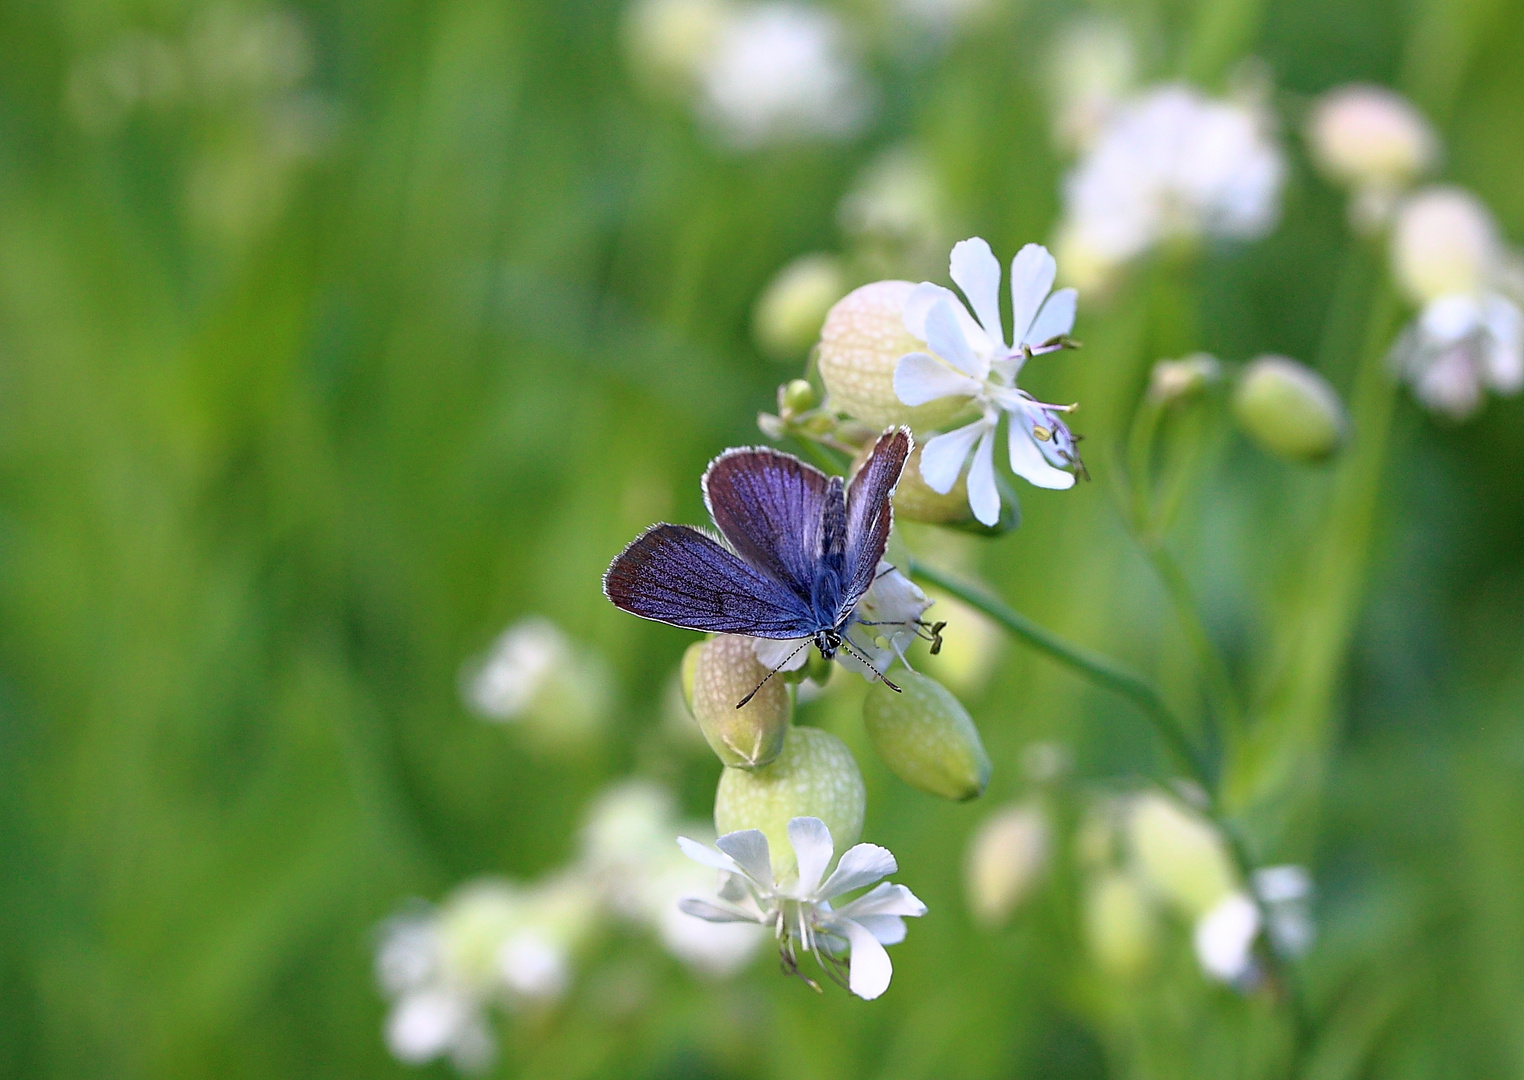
[668,41]
[814,776]
[860,345]
[1176,380]
[1006,856]
[1444,242]
[796,396]
[1365,135]
[791,310]
[926,737]
[1120,926]
[725,671]
[1289,409]
[1183,857]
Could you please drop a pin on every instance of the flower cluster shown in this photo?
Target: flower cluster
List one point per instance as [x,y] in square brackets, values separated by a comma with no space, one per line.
[499,944]
[536,678]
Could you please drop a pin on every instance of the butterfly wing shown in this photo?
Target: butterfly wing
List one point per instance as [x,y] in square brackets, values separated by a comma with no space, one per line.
[675,574]
[870,512]
[770,506]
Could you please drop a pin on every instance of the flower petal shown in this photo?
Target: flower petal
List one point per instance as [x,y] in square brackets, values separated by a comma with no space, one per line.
[947,340]
[748,847]
[869,970]
[707,856]
[1032,273]
[1056,317]
[919,304]
[1027,460]
[886,929]
[921,377]
[781,654]
[976,271]
[1505,350]
[861,866]
[711,912]
[983,496]
[887,899]
[813,849]
[942,458]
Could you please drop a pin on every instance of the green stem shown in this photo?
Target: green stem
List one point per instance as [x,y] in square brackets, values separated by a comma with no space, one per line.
[1100,670]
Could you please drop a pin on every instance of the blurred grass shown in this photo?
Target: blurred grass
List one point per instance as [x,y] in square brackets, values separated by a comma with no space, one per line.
[262,487]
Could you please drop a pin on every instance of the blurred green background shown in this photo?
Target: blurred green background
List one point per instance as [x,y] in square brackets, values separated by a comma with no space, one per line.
[313,380]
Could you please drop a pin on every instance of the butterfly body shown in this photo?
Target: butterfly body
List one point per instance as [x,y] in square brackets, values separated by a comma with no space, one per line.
[803,549]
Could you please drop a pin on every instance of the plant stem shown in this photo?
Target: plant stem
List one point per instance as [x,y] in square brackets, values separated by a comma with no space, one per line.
[1101,670]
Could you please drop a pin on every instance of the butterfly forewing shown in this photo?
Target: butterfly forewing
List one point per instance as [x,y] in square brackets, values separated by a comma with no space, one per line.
[770,506]
[677,575]
[870,513]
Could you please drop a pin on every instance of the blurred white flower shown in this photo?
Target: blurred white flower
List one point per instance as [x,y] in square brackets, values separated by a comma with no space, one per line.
[1224,939]
[799,908]
[969,359]
[896,213]
[628,848]
[1286,894]
[936,20]
[1006,857]
[489,943]
[1469,336]
[1170,164]
[1092,70]
[884,623]
[781,71]
[533,673]
[1374,141]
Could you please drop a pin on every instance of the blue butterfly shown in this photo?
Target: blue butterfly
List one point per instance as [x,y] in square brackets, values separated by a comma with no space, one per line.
[803,549]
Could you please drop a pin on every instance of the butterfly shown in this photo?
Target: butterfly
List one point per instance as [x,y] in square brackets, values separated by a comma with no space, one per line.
[803,549]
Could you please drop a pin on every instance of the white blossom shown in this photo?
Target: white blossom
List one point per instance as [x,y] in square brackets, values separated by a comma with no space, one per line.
[1375,142]
[1224,938]
[534,674]
[883,625]
[969,358]
[781,71]
[1171,163]
[799,909]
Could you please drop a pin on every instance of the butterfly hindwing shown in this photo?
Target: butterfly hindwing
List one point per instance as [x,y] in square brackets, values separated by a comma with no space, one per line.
[870,512]
[677,575]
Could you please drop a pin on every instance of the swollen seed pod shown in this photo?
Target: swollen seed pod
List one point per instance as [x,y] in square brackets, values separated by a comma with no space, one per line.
[1181,856]
[860,345]
[1006,857]
[926,737]
[1289,410]
[791,310]
[1368,135]
[725,671]
[1444,242]
[814,776]
[1120,925]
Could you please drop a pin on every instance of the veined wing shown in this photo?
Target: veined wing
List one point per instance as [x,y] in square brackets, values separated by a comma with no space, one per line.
[677,575]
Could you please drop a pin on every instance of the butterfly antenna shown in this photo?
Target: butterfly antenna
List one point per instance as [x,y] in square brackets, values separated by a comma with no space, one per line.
[742,703]
[846,644]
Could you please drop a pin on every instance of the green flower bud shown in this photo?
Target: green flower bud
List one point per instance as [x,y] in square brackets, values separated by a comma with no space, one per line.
[815,776]
[1006,857]
[797,396]
[861,343]
[791,309]
[1182,857]
[1176,380]
[724,672]
[1120,926]
[926,737]
[1289,409]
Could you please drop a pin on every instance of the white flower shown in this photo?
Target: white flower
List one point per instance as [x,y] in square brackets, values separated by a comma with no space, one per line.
[780,71]
[1224,939]
[1286,893]
[1458,347]
[535,674]
[1171,163]
[884,623]
[799,908]
[970,359]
